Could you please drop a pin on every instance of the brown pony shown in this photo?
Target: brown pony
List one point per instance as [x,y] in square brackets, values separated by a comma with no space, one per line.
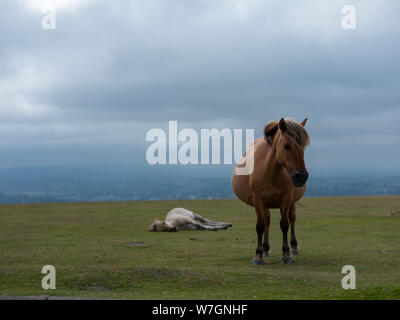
[278,180]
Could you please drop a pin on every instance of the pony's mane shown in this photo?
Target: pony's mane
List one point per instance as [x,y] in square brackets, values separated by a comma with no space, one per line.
[296,133]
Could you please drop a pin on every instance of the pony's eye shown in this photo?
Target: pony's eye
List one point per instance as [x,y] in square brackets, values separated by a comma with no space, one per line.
[287,147]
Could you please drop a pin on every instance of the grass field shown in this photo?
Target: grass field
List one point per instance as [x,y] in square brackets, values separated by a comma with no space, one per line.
[88,243]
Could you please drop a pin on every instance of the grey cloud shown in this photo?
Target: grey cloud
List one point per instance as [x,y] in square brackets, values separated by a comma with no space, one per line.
[113,70]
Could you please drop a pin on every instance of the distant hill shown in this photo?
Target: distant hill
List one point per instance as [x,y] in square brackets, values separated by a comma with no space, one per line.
[69,184]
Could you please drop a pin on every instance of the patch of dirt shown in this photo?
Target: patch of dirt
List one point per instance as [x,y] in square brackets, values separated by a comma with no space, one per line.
[136,244]
[97,287]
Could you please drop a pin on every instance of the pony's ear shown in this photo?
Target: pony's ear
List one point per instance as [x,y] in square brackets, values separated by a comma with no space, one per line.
[282,125]
[303,123]
[269,131]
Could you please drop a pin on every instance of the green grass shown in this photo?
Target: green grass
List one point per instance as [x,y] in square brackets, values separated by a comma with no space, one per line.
[88,245]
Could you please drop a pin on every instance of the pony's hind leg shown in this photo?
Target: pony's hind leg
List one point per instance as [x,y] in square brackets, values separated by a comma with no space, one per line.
[260,227]
[213,227]
[202,226]
[200,218]
[192,224]
[293,241]
[221,225]
[209,222]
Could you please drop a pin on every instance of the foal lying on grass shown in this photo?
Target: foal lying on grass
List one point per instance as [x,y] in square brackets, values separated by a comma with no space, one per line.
[183,219]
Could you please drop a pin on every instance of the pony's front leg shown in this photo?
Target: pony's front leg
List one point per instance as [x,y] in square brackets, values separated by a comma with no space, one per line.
[267,218]
[285,227]
[260,226]
[293,241]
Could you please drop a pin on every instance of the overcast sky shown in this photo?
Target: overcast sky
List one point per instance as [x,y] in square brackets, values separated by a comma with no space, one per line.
[87,92]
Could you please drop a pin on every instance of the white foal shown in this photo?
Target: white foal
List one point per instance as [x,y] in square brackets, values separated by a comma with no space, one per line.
[183,219]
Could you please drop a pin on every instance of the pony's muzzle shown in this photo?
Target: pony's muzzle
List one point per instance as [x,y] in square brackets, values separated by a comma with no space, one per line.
[299,178]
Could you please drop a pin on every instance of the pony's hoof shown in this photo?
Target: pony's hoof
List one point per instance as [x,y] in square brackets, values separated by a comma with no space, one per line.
[286,260]
[294,252]
[258,262]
